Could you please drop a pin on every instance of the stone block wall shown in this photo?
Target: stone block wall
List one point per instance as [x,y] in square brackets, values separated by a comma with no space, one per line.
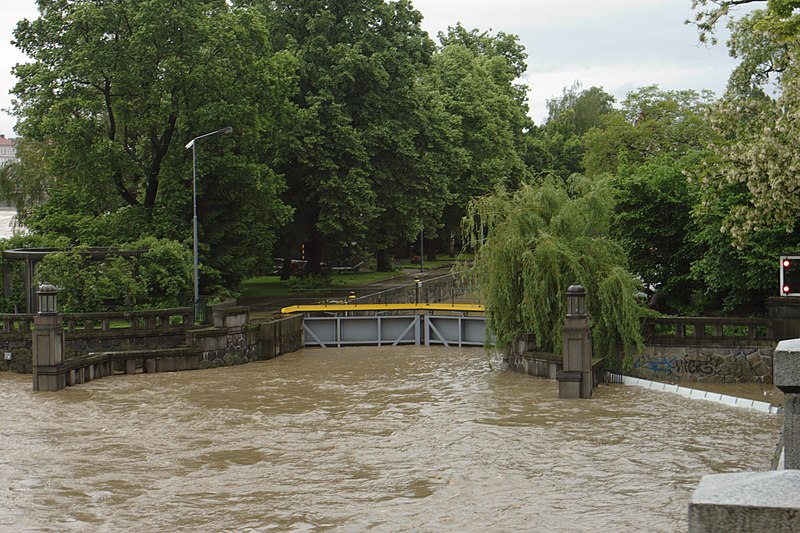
[20,350]
[281,336]
[722,364]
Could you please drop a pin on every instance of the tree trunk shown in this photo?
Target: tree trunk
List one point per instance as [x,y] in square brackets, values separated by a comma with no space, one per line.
[382,258]
[451,244]
[313,250]
[431,249]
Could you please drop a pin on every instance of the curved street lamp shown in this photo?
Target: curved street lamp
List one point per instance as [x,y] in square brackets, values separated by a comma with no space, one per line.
[193,145]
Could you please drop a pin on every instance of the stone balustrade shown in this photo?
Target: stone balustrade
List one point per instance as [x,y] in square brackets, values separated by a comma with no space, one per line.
[716,331]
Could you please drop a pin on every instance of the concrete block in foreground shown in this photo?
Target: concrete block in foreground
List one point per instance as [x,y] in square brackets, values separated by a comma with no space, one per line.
[749,501]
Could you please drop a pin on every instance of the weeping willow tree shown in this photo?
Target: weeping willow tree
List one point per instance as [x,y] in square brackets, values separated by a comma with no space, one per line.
[533,243]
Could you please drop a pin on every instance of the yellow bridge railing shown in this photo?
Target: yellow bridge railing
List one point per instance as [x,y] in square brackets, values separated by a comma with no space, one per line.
[317,308]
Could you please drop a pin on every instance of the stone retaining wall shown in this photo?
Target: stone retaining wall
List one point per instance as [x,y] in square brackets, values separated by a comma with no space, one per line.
[233,340]
[741,364]
[706,349]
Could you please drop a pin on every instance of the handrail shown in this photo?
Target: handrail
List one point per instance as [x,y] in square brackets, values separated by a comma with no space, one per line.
[337,307]
[694,329]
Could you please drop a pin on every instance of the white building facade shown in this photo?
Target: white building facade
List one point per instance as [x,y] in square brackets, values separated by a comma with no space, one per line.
[8,150]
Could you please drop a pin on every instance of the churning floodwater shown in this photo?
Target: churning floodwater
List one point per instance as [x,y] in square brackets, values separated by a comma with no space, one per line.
[361,439]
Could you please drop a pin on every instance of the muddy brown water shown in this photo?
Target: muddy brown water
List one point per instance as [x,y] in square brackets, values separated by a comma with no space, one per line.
[361,439]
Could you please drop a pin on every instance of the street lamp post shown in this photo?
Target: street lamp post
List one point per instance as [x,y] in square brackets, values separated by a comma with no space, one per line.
[193,145]
[422,250]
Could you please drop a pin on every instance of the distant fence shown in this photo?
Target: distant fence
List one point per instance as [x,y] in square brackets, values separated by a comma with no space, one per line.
[714,349]
[443,288]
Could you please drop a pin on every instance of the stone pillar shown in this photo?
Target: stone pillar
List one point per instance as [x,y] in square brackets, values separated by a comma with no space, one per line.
[784,315]
[575,378]
[745,502]
[786,370]
[49,373]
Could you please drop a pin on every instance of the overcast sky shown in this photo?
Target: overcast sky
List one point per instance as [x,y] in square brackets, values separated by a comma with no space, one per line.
[619,45]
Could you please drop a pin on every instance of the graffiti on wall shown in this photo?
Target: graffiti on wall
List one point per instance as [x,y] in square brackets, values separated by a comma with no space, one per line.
[671,364]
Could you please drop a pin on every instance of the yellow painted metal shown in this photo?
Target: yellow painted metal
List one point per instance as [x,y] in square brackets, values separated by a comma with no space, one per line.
[458,308]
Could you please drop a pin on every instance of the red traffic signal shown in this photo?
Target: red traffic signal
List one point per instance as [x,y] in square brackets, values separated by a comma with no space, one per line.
[790,275]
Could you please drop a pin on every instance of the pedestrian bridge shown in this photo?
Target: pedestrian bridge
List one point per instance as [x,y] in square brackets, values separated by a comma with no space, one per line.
[337,325]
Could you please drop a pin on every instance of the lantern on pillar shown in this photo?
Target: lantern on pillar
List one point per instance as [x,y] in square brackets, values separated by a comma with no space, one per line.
[47,344]
[47,299]
[576,300]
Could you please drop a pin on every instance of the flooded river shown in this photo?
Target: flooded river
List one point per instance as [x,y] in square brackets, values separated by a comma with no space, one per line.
[361,439]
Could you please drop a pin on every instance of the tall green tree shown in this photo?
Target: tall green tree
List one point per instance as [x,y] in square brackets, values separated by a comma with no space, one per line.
[757,125]
[476,73]
[111,95]
[355,170]
[747,210]
[653,222]
[650,147]
[557,147]
[651,122]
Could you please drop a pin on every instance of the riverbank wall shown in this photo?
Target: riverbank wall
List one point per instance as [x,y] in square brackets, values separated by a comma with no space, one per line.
[685,349]
[102,344]
[713,350]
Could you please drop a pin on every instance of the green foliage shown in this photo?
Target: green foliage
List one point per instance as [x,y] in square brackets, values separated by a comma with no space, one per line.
[652,122]
[739,270]
[534,243]
[747,212]
[356,168]
[164,271]
[25,183]
[474,73]
[15,303]
[161,277]
[86,285]
[557,147]
[653,222]
[112,93]
[577,111]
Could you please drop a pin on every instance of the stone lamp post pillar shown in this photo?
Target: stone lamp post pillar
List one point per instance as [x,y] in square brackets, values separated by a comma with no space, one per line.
[759,501]
[786,371]
[49,373]
[575,378]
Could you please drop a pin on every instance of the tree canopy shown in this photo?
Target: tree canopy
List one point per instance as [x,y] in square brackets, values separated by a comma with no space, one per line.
[112,94]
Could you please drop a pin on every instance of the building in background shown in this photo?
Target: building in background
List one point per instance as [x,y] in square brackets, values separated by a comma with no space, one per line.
[8,154]
[8,150]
